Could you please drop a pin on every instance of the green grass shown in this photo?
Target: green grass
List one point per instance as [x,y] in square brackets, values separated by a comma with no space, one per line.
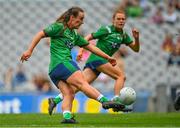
[92,120]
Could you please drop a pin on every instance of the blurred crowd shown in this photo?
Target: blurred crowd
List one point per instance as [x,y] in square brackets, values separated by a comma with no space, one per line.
[172,48]
[16,80]
[161,14]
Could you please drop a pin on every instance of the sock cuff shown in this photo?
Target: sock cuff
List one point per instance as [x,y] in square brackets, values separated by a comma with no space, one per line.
[60,95]
[115,96]
[99,97]
[67,114]
[66,111]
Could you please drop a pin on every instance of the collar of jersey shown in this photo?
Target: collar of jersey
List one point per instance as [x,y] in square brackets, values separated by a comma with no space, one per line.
[114,29]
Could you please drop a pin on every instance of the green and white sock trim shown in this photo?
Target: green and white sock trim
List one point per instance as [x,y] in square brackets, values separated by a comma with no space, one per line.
[67,114]
[58,98]
[102,99]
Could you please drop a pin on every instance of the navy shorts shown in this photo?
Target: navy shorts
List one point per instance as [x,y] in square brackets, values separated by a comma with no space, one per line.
[63,71]
[93,66]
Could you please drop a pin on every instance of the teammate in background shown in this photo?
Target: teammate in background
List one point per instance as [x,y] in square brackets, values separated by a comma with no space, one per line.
[62,70]
[110,38]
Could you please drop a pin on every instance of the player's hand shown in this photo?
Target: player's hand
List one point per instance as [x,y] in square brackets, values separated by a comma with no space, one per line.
[25,56]
[135,33]
[79,56]
[112,61]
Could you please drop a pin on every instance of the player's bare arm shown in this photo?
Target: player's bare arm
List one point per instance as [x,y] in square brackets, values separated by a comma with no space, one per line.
[135,46]
[98,52]
[27,54]
[81,50]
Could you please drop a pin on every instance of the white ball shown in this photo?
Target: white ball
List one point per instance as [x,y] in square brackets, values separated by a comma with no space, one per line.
[127,95]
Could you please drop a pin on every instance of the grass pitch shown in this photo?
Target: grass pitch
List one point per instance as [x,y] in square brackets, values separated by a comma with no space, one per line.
[92,120]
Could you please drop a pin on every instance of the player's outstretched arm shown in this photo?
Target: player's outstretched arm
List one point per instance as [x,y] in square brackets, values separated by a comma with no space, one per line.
[81,50]
[27,54]
[98,52]
[135,46]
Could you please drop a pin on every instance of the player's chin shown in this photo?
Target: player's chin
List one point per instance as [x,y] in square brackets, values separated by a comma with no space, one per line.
[121,26]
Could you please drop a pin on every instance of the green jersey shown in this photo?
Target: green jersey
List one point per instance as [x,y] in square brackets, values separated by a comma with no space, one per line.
[62,41]
[109,41]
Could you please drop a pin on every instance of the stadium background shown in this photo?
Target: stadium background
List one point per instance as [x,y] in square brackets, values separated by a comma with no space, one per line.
[147,72]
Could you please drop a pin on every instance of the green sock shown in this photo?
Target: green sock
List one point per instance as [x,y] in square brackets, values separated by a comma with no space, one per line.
[103,99]
[57,99]
[67,115]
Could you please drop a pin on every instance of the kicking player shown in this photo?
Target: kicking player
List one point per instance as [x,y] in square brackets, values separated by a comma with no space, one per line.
[62,70]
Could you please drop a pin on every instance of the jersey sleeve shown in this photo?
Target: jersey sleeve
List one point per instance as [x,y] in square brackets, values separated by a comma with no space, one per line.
[100,32]
[81,41]
[53,29]
[127,39]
